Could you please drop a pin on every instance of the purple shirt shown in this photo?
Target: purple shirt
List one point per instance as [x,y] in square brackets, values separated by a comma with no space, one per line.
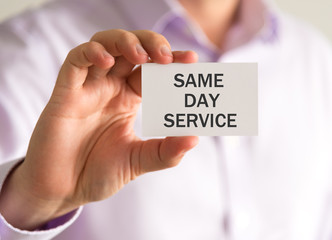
[275,186]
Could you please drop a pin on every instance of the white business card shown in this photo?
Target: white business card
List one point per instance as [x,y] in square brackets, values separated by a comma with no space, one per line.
[202,99]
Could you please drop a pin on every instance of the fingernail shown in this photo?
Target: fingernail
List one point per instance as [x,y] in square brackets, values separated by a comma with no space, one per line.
[165,51]
[140,50]
[107,55]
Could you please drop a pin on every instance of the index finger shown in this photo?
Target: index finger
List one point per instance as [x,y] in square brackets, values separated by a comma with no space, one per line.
[134,80]
[122,43]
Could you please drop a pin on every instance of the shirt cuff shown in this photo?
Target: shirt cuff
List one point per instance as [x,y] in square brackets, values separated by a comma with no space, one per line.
[48,231]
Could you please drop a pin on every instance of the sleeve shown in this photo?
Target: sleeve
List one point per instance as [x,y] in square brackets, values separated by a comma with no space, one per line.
[50,230]
[25,87]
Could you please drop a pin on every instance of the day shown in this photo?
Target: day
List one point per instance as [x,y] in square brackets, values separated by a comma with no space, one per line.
[191,99]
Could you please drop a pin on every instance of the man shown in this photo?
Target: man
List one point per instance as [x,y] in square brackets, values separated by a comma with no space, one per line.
[84,148]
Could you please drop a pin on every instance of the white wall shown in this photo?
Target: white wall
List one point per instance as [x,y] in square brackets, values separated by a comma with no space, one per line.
[9,8]
[317,12]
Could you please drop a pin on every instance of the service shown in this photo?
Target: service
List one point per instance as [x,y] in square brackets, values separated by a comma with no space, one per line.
[182,120]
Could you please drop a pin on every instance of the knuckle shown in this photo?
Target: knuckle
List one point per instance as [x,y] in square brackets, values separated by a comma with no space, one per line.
[93,45]
[71,52]
[124,35]
[171,163]
[123,40]
[96,36]
[155,37]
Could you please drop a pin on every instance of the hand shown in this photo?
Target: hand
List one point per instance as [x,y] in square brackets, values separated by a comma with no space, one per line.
[84,148]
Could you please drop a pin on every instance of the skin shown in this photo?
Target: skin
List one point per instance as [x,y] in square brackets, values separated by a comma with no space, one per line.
[83,148]
[213,16]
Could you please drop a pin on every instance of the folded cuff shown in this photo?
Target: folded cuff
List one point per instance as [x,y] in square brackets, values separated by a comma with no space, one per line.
[48,231]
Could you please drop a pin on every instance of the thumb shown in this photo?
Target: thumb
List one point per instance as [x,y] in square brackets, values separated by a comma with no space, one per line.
[158,154]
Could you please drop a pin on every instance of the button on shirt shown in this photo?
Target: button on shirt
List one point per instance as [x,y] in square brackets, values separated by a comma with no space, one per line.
[274,186]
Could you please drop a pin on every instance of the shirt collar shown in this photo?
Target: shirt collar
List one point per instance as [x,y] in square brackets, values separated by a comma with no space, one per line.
[256,19]
[144,14]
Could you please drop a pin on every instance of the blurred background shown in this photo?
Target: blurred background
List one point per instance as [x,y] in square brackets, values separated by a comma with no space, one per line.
[318,13]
